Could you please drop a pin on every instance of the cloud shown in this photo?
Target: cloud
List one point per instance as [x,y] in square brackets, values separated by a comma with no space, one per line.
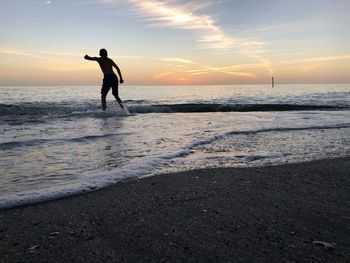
[326,58]
[163,75]
[183,15]
[42,54]
[313,60]
[237,69]
[194,15]
[234,70]
[17,52]
[179,60]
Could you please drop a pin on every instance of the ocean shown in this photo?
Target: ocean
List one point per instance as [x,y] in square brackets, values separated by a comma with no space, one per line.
[55,141]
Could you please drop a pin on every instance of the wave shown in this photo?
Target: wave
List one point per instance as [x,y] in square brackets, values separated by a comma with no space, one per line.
[45,108]
[36,142]
[89,138]
[72,109]
[197,108]
[139,168]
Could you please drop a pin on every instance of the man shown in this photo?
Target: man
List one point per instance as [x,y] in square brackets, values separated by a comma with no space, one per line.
[110,79]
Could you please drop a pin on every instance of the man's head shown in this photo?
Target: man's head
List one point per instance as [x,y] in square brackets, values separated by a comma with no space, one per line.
[103,53]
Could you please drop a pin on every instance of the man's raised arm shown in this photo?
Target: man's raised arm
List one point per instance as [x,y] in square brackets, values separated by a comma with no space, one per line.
[87,57]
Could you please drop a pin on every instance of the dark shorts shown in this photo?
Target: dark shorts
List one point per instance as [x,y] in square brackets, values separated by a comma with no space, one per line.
[110,81]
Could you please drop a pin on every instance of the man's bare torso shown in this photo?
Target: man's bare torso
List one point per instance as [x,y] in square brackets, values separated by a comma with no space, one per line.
[106,65]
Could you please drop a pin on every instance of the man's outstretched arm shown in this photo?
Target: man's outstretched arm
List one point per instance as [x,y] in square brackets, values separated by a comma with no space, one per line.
[87,57]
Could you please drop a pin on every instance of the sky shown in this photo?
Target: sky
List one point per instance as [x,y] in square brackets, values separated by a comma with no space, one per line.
[175,42]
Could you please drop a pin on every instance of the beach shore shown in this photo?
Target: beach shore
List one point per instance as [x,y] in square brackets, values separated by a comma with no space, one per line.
[289,213]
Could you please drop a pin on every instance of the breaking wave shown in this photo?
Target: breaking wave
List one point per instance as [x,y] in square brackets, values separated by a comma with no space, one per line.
[71,109]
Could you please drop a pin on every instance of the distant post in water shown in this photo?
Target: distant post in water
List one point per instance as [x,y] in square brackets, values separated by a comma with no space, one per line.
[273,82]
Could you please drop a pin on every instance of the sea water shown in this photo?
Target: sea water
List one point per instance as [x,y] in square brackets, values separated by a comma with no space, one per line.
[56,141]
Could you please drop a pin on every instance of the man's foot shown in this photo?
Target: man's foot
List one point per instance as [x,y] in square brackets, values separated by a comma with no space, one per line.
[121,105]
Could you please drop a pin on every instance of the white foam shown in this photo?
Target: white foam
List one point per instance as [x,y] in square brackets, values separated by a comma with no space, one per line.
[122,111]
[136,169]
[91,182]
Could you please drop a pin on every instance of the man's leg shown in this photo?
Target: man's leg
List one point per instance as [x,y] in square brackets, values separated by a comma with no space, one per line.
[119,101]
[116,96]
[104,91]
[103,102]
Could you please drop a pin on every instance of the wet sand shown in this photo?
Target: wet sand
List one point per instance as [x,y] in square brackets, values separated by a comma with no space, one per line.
[289,213]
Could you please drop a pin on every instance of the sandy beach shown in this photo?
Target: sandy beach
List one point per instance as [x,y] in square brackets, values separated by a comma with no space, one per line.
[289,213]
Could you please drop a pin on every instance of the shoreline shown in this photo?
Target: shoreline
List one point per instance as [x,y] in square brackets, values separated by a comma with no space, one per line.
[293,212]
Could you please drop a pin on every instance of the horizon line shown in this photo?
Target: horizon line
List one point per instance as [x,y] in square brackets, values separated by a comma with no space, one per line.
[177,85]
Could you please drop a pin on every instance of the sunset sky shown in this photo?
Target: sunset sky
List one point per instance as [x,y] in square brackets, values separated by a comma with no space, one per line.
[175,42]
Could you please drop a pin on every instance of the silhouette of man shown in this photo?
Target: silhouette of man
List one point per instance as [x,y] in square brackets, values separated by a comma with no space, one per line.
[110,79]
